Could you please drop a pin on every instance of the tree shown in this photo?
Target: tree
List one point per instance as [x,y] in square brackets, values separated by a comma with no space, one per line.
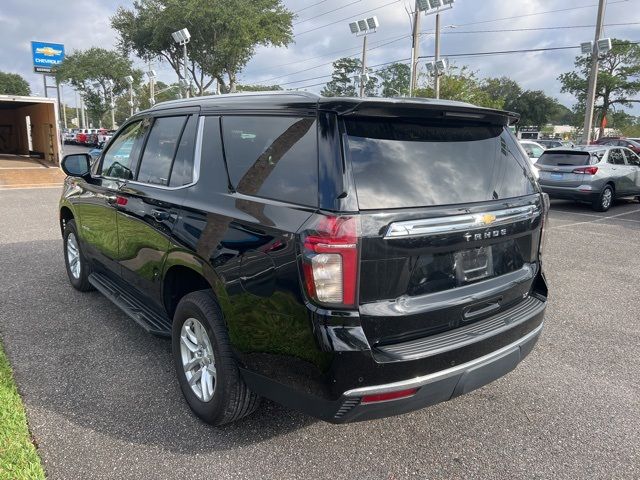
[90,72]
[224,34]
[258,88]
[461,84]
[504,88]
[618,80]
[13,84]
[342,82]
[395,80]
[535,108]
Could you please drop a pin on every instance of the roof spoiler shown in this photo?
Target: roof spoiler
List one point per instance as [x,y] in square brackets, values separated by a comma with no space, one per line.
[422,109]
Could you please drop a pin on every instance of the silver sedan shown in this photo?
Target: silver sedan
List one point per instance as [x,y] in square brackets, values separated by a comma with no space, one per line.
[596,174]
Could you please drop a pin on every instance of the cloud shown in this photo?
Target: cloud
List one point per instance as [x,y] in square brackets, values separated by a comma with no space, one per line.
[322,36]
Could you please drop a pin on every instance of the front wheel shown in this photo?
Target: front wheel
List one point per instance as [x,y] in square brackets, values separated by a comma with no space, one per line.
[78,269]
[604,200]
[207,372]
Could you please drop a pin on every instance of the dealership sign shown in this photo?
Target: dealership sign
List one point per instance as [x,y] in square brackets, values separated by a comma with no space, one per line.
[46,56]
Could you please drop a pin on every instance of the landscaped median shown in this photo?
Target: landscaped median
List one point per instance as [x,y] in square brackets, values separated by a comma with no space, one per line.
[18,457]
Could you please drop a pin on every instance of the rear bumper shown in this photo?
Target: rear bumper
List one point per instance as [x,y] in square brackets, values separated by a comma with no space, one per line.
[437,376]
[439,386]
[581,193]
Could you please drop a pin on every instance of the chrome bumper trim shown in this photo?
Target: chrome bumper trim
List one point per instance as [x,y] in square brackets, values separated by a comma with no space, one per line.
[449,372]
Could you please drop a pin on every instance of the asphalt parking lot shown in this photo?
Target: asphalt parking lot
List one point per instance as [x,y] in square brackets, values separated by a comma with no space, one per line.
[102,400]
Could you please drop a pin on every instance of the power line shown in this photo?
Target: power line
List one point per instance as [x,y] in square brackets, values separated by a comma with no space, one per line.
[456,55]
[380,45]
[537,13]
[309,6]
[347,18]
[532,29]
[327,12]
[329,63]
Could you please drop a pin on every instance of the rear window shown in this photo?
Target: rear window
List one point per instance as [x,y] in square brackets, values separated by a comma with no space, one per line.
[273,157]
[567,159]
[399,164]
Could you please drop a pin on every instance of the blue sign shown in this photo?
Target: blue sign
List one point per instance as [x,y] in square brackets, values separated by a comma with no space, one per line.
[46,56]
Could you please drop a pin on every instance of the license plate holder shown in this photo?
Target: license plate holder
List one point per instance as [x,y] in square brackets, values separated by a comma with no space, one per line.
[475,264]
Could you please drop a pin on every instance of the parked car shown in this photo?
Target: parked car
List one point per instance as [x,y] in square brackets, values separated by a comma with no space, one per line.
[532,149]
[549,143]
[622,142]
[596,174]
[69,136]
[351,258]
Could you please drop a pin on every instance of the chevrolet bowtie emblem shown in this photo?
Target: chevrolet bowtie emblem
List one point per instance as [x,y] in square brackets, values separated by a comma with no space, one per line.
[487,219]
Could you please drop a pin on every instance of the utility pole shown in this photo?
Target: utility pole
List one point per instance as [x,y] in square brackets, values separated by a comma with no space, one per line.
[364,66]
[437,56]
[415,50]
[77,112]
[83,117]
[593,77]
[64,108]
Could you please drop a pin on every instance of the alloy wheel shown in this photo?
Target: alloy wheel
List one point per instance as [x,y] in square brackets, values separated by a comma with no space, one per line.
[607,196]
[73,255]
[198,361]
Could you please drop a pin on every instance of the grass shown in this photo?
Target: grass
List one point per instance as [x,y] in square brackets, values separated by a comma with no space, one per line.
[18,457]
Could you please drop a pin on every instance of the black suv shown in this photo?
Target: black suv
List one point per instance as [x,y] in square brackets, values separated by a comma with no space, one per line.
[350,258]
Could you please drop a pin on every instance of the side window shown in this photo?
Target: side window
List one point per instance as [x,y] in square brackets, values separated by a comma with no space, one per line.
[182,172]
[616,157]
[273,157]
[155,166]
[632,158]
[537,151]
[120,160]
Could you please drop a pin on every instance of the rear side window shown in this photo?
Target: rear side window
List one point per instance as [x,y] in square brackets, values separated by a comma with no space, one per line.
[273,157]
[566,159]
[398,164]
[632,158]
[162,144]
[182,172]
[616,157]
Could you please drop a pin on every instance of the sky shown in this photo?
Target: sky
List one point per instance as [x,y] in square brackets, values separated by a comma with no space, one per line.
[322,35]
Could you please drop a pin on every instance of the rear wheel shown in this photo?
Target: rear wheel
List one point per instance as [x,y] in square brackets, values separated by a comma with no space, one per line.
[207,372]
[78,268]
[604,200]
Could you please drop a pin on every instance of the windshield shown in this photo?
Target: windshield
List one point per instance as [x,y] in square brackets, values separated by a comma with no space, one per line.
[410,163]
[566,159]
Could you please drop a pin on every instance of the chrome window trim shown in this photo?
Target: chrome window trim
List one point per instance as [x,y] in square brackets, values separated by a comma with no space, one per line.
[197,159]
[460,223]
[442,374]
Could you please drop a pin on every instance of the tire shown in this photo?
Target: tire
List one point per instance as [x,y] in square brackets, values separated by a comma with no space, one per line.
[604,200]
[79,271]
[229,399]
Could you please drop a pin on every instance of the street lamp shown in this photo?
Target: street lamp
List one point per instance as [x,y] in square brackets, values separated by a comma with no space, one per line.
[182,37]
[152,87]
[129,80]
[362,28]
[429,7]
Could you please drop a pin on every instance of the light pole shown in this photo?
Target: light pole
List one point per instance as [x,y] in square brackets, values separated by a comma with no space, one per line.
[152,86]
[598,46]
[129,80]
[429,7]
[363,28]
[436,69]
[182,37]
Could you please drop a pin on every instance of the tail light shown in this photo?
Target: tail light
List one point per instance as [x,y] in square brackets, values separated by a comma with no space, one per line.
[546,206]
[586,170]
[330,260]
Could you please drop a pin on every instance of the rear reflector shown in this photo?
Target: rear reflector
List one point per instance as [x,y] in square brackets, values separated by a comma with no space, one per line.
[385,397]
[586,170]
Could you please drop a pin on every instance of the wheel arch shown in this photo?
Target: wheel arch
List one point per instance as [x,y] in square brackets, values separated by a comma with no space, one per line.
[185,273]
[66,215]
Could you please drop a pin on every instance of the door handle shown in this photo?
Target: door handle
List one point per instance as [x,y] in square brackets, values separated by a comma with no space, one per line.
[160,215]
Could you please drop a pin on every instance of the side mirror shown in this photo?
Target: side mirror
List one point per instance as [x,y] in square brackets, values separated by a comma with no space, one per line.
[76,164]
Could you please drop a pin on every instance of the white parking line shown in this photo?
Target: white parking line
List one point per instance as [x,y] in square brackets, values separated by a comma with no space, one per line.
[599,218]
